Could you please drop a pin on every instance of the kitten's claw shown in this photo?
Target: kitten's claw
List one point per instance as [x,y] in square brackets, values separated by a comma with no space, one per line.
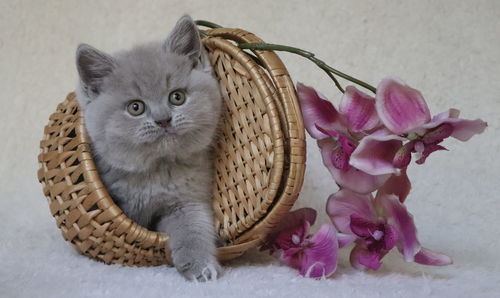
[199,271]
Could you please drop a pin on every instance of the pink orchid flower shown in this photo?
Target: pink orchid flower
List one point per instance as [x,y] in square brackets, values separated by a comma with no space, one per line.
[338,133]
[409,129]
[378,225]
[313,255]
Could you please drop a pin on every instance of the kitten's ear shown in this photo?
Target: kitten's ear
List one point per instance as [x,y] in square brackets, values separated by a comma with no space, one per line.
[205,63]
[93,66]
[184,38]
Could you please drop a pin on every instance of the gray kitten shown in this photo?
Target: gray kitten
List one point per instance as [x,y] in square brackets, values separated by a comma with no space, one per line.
[152,115]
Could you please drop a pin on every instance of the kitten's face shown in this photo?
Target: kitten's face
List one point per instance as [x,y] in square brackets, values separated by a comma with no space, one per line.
[156,100]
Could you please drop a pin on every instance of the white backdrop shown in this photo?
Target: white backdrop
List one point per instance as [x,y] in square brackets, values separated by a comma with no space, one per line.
[450,50]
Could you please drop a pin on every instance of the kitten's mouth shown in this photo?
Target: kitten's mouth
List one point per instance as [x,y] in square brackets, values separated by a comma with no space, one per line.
[170,130]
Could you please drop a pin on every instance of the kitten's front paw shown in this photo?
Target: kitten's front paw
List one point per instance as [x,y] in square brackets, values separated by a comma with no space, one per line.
[198,269]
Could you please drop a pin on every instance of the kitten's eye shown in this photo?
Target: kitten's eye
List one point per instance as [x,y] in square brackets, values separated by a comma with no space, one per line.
[177,97]
[136,107]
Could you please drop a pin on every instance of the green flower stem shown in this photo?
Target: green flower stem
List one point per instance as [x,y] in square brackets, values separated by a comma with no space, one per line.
[334,79]
[254,58]
[330,71]
[207,24]
[310,56]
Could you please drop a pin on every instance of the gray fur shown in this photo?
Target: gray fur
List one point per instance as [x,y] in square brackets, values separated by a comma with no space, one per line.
[162,178]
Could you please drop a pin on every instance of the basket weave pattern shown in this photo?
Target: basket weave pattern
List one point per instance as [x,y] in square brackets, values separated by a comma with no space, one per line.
[250,151]
[260,164]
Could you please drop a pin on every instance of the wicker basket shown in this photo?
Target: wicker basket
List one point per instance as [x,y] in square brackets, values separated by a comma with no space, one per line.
[260,163]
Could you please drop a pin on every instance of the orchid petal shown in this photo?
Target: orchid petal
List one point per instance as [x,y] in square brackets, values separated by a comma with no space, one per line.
[398,185]
[402,158]
[440,118]
[350,178]
[340,159]
[347,145]
[358,109]
[316,110]
[463,129]
[402,221]
[320,259]
[293,257]
[361,258]
[428,257]
[361,226]
[400,107]
[292,238]
[342,204]
[428,150]
[292,223]
[390,237]
[296,218]
[345,239]
[438,134]
[375,153]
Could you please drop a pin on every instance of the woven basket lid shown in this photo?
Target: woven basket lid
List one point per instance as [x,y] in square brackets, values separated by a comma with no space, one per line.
[260,163]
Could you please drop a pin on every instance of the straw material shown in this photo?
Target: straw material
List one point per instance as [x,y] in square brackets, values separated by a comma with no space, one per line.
[260,164]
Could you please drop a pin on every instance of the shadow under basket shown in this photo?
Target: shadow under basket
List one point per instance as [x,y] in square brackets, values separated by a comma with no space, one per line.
[260,163]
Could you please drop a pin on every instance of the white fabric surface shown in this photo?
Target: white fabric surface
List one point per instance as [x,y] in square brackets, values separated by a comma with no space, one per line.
[450,50]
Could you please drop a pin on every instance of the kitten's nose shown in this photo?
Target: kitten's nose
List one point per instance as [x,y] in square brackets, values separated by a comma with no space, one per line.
[163,123]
